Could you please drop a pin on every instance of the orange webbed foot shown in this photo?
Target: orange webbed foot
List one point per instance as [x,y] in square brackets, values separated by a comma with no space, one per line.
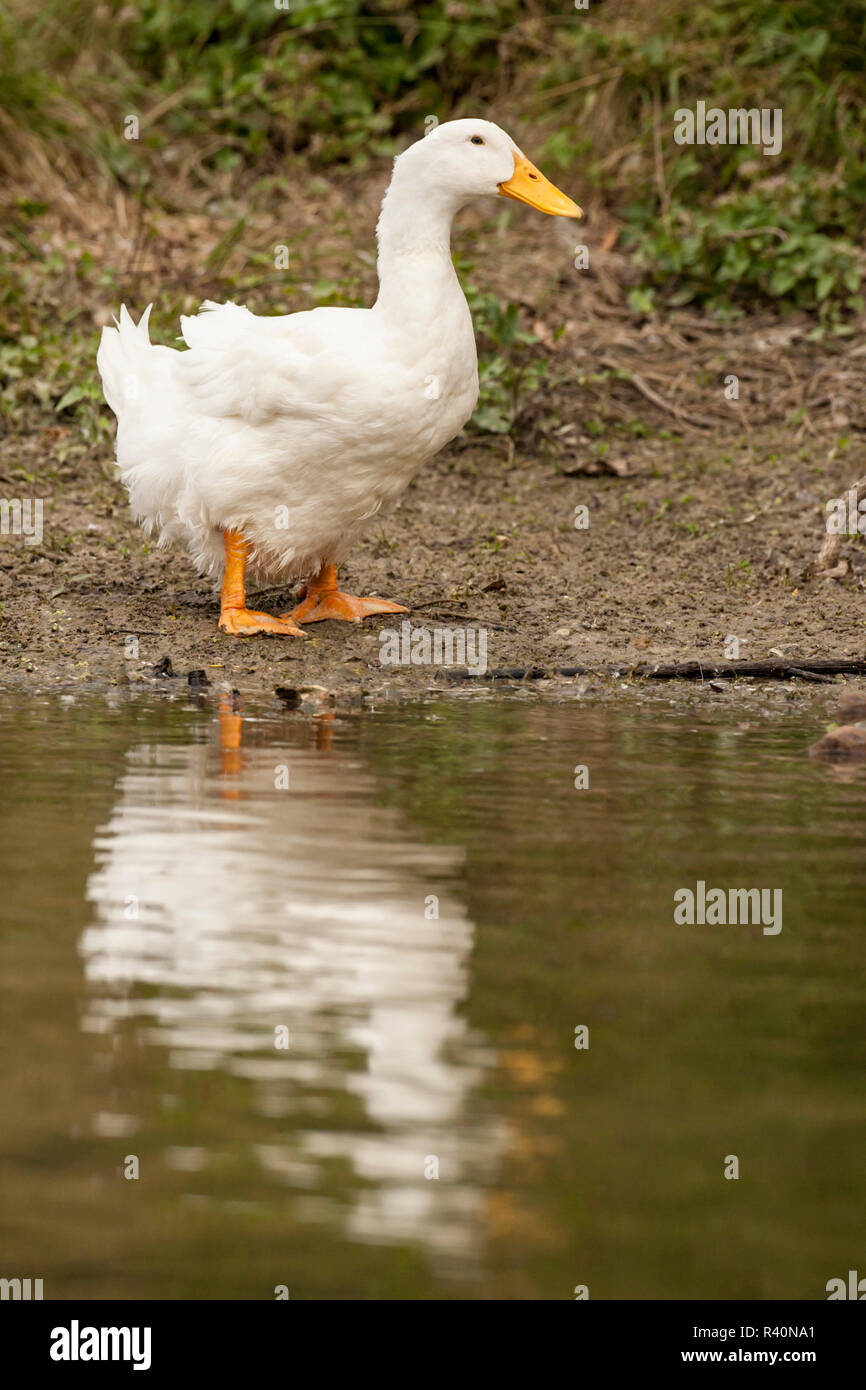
[245,622]
[331,603]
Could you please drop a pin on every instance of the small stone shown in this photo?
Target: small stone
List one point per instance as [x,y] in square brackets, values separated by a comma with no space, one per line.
[852,707]
[848,741]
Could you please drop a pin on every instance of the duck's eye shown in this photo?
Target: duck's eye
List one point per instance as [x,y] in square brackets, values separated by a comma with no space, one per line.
[476,140]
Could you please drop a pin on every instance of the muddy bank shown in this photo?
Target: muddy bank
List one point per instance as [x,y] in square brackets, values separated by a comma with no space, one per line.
[702,541]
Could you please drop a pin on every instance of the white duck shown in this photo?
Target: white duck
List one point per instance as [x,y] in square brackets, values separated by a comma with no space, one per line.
[269,445]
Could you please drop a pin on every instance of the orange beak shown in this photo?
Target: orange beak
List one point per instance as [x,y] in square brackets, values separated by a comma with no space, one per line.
[528,185]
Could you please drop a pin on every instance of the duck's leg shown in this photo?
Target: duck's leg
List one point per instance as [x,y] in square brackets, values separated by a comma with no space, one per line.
[322,599]
[235,617]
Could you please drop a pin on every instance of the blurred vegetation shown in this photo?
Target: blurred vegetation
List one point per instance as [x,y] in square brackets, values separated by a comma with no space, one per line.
[238,94]
[510,374]
[241,84]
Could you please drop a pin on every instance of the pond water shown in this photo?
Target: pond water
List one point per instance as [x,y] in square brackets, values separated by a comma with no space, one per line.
[317,981]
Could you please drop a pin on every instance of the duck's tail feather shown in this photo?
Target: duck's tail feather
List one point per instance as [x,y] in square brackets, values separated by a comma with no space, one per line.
[119,358]
[215,325]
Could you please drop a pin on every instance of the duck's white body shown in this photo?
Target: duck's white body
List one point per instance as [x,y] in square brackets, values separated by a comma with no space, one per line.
[294,431]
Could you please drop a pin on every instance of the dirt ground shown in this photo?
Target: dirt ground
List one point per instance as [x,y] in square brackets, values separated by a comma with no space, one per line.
[704,514]
[703,540]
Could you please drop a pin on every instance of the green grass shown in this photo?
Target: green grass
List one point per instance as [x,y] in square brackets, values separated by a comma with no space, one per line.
[238,96]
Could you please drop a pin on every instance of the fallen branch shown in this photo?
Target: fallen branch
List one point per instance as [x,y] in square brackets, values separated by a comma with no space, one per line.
[817,669]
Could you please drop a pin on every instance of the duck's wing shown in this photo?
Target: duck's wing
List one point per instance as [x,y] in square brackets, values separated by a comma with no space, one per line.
[294,365]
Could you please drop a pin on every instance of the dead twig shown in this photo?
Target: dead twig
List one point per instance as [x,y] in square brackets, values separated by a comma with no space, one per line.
[696,421]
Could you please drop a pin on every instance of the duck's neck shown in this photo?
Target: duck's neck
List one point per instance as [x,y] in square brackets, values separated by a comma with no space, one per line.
[414,265]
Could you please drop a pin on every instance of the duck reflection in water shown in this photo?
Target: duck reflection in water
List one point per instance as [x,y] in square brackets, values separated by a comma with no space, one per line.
[270,891]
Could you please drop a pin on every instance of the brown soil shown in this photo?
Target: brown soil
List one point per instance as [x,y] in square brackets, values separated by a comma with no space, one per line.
[693,546]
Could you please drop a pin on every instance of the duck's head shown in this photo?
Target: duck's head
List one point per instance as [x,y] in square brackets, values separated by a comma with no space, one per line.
[461,160]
